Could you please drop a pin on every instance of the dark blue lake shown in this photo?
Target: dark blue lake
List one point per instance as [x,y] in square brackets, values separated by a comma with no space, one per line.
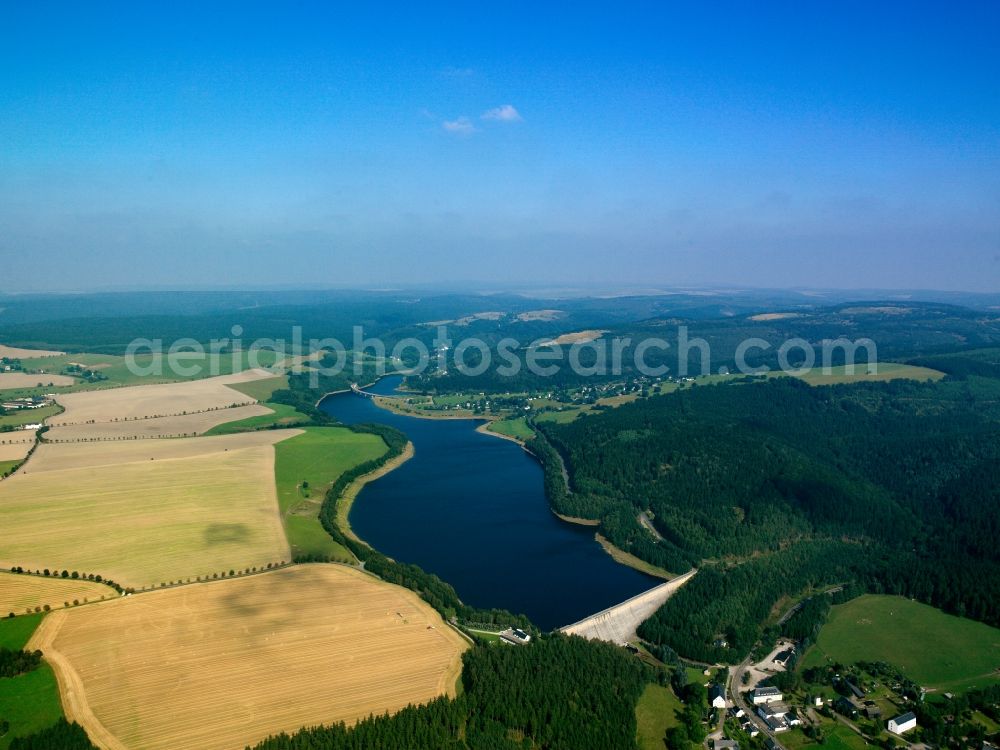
[472,509]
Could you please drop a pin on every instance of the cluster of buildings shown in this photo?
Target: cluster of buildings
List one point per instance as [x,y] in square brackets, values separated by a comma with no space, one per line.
[29,402]
[775,713]
[854,704]
[744,721]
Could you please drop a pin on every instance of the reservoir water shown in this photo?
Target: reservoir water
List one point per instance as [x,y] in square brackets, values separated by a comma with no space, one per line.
[472,509]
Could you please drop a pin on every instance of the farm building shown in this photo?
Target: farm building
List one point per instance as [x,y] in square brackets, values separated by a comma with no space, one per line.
[845,707]
[765,695]
[854,689]
[872,711]
[903,724]
[727,745]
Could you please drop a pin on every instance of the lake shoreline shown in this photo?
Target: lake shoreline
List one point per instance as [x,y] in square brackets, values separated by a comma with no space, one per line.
[629,560]
[471,510]
[350,494]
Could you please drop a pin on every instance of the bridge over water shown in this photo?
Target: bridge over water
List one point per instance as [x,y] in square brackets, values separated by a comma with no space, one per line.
[618,624]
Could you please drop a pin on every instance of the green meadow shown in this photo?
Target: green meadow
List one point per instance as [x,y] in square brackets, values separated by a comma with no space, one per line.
[515,428]
[305,467]
[30,702]
[656,711]
[934,649]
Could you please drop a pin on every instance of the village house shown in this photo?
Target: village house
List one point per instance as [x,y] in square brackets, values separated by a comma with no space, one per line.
[717,696]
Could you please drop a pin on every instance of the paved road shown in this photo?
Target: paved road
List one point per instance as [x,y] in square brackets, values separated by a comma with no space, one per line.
[648,524]
[734,687]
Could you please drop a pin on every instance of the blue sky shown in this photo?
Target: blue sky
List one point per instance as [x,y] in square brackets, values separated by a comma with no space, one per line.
[762,144]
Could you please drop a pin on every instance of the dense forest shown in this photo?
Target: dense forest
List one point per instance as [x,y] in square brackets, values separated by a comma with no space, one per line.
[775,487]
[558,692]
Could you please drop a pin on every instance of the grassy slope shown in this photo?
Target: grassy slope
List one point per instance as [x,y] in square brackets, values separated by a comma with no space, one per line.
[656,712]
[15,633]
[281,414]
[318,456]
[885,371]
[262,390]
[31,701]
[837,737]
[934,649]
[515,428]
[6,466]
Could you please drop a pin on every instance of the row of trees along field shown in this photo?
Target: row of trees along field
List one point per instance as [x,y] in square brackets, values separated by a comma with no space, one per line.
[775,487]
[559,692]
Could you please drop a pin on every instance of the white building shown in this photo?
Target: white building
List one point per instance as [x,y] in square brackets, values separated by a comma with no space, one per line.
[903,724]
[766,695]
[717,696]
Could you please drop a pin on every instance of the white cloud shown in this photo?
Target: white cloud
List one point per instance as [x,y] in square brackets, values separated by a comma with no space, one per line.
[503,113]
[460,126]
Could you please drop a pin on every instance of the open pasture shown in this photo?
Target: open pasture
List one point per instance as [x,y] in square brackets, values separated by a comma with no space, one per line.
[305,467]
[146,511]
[220,665]
[864,373]
[15,380]
[934,649]
[19,593]
[161,400]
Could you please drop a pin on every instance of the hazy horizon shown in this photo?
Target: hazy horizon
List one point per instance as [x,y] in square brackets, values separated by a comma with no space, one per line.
[839,146]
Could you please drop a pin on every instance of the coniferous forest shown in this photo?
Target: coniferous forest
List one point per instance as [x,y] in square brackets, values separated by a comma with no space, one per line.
[559,692]
[772,488]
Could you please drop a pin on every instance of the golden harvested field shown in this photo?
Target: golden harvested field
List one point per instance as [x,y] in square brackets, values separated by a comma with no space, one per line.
[220,665]
[162,400]
[146,511]
[12,380]
[775,316]
[578,337]
[184,425]
[20,592]
[12,352]
[15,445]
